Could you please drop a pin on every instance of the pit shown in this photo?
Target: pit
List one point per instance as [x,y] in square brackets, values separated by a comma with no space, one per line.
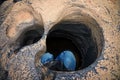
[77,37]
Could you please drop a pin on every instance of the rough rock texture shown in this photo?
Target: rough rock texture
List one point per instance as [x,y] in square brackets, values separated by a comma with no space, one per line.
[24,64]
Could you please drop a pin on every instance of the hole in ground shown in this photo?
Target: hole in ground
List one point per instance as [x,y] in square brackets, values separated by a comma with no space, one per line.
[75,37]
[30,36]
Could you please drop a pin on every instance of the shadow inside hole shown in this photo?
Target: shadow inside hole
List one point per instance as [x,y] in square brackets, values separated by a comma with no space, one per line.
[76,38]
[30,36]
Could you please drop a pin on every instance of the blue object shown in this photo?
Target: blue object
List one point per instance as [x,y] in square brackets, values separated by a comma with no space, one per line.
[47,57]
[68,59]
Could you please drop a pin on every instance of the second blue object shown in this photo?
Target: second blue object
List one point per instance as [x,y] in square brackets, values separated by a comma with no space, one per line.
[65,57]
[68,59]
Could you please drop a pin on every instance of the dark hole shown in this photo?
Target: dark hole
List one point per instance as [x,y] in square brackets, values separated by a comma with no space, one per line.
[16,0]
[1,1]
[76,38]
[29,37]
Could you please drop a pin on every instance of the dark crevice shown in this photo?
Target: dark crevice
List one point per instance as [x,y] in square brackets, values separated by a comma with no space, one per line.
[16,0]
[1,1]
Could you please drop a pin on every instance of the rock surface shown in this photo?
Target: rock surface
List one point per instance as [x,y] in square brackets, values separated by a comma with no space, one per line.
[23,63]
